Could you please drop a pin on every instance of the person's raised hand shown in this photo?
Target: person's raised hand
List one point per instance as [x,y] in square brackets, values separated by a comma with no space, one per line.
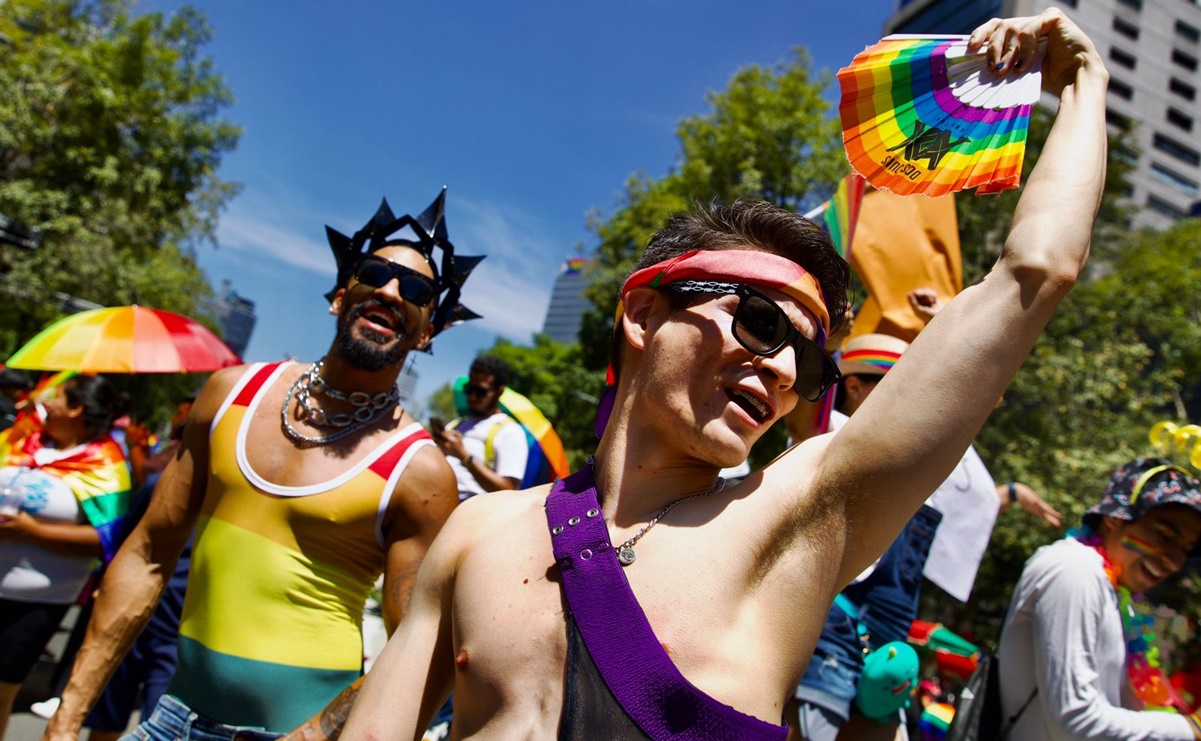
[1031,503]
[925,303]
[1012,45]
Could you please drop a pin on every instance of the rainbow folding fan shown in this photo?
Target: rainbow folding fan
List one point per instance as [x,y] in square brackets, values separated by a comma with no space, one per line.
[921,114]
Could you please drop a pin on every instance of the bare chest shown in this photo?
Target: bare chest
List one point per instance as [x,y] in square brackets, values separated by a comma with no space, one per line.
[510,621]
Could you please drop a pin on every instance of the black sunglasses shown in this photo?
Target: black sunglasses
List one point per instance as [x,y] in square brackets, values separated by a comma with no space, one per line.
[473,390]
[414,287]
[762,327]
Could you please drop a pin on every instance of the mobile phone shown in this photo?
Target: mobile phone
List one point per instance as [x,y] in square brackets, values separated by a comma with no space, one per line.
[437,425]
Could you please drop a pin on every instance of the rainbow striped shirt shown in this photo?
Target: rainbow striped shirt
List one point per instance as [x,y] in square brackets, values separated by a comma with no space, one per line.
[271,626]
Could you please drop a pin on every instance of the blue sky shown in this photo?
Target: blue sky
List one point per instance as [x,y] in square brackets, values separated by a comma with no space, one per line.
[532,113]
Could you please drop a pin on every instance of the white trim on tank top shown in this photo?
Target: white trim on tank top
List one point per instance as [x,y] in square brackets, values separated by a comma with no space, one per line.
[303,491]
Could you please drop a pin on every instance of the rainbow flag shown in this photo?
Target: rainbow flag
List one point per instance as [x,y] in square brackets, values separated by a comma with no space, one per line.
[574,265]
[96,474]
[48,382]
[842,212]
[936,721]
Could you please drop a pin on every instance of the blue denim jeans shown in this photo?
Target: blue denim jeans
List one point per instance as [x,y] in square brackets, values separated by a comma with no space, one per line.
[887,600]
[174,721]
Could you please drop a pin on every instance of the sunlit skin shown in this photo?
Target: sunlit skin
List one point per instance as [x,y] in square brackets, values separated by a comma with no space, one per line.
[1153,547]
[698,367]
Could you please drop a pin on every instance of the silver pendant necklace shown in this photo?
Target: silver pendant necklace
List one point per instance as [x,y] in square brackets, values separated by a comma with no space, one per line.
[625,551]
[368,408]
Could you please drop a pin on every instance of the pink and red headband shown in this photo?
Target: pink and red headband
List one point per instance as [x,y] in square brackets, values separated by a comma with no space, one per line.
[752,267]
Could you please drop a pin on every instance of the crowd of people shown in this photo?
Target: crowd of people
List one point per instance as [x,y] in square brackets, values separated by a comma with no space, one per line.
[643,596]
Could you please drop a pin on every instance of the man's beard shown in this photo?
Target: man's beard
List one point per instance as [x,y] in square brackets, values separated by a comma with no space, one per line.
[364,352]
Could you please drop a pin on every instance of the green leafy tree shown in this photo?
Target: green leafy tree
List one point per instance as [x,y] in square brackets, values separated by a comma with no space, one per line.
[768,135]
[111,135]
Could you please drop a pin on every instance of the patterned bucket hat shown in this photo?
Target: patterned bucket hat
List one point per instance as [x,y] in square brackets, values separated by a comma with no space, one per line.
[1142,485]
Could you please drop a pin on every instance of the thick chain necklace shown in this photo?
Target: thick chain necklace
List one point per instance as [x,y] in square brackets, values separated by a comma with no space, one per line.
[625,551]
[368,408]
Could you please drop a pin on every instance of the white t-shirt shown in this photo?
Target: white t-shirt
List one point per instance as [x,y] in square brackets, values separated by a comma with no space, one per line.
[30,572]
[508,446]
[969,505]
[1063,634]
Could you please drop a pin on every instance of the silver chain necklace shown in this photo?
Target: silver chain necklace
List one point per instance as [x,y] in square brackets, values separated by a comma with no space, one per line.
[625,551]
[368,408]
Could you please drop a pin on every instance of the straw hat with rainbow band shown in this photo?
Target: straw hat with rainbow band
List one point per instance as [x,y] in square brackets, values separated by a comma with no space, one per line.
[870,354]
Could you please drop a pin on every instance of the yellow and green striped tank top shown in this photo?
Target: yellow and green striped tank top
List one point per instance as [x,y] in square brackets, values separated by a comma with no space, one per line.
[271,626]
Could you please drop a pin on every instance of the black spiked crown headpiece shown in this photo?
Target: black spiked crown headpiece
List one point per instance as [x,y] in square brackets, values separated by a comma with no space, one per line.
[429,228]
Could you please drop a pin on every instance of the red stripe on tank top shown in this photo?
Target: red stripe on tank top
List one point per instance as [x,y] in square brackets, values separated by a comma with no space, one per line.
[386,463]
[247,394]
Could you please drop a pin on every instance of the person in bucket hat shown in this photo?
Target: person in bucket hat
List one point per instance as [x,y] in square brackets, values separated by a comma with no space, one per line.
[1077,655]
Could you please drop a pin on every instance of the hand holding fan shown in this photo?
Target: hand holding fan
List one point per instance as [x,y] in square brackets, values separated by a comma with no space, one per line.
[922,114]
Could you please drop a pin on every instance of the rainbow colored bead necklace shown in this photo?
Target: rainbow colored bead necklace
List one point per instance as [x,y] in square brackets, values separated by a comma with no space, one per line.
[1147,678]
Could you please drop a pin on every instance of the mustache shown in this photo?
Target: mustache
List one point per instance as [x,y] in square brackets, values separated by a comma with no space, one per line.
[393,313]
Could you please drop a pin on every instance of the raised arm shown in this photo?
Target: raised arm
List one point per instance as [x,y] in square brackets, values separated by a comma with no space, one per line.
[423,500]
[136,577]
[414,674]
[908,436]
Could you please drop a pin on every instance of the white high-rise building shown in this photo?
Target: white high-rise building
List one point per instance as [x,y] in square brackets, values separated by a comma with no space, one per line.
[567,302]
[1152,49]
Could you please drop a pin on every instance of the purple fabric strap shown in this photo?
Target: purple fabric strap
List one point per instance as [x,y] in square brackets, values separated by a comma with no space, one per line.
[619,638]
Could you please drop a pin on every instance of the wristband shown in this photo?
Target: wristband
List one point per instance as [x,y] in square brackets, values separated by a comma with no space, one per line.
[467,460]
[1013,493]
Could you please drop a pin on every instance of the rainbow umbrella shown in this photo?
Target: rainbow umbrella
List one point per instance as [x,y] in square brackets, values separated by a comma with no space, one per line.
[922,114]
[547,460]
[125,339]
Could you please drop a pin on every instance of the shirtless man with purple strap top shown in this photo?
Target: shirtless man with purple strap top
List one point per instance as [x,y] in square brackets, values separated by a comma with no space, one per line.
[713,347]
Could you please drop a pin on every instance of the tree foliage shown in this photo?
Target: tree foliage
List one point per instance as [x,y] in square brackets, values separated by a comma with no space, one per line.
[768,135]
[111,135]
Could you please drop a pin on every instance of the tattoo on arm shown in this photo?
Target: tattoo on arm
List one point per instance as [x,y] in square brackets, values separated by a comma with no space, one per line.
[333,718]
[402,587]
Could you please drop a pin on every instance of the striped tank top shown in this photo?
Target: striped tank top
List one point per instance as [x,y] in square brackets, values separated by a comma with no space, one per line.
[271,625]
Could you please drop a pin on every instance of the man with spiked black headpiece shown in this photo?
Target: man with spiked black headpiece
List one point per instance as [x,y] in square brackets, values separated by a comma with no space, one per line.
[296,515]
